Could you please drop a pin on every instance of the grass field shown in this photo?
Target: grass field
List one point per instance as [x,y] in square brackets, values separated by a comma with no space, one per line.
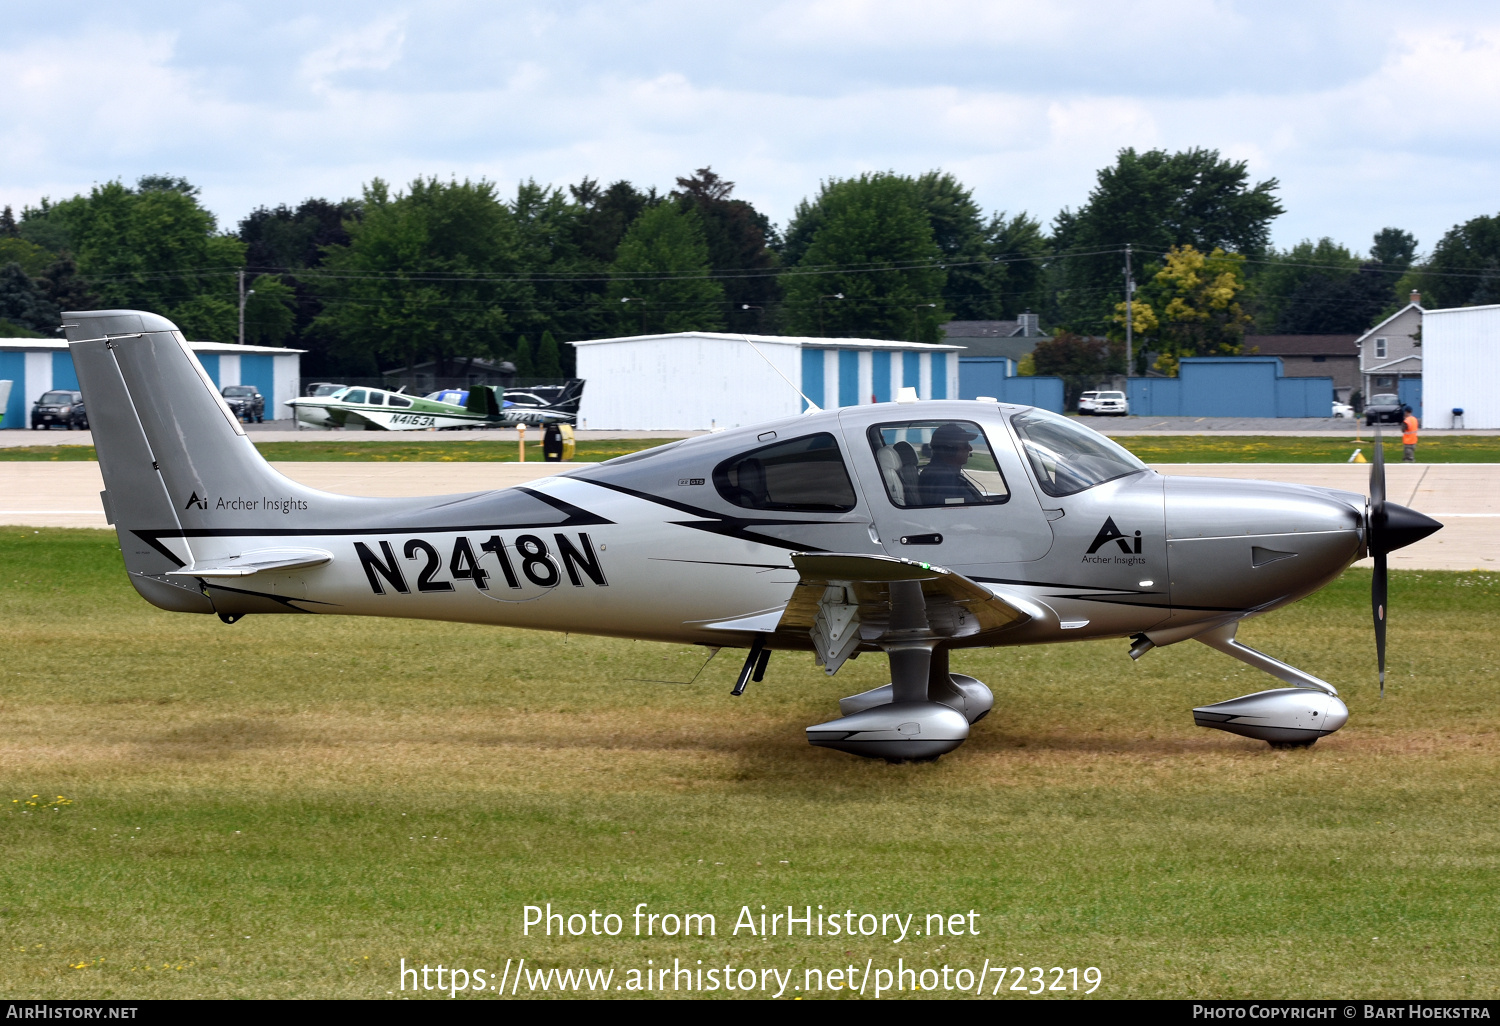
[1151,448]
[1304,448]
[291,805]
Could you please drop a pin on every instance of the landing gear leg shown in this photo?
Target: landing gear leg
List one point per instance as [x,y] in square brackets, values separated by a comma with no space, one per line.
[909,726]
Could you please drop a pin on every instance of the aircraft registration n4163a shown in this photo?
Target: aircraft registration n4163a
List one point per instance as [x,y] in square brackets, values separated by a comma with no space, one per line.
[911,529]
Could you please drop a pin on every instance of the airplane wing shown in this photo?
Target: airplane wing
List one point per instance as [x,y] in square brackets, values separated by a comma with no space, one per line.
[844,598]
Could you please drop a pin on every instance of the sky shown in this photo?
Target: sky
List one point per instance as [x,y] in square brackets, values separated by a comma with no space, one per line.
[1369,114]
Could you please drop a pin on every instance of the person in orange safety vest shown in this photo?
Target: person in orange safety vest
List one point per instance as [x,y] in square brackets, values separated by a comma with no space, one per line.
[1408,435]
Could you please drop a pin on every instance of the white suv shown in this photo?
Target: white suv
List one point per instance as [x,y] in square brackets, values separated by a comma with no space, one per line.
[1110,404]
[1086,402]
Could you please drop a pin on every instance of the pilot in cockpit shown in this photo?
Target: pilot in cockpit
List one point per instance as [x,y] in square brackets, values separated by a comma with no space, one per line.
[942,481]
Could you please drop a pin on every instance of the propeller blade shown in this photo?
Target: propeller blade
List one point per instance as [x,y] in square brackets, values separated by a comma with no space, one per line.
[1376,542]
[1377,606]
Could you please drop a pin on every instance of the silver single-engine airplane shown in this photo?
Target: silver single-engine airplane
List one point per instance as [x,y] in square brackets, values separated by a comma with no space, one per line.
[907,528]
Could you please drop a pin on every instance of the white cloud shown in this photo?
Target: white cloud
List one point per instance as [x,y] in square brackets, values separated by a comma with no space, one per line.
[1367,116]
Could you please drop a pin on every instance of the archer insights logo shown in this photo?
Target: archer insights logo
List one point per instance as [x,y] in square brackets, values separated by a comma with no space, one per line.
[1111,532]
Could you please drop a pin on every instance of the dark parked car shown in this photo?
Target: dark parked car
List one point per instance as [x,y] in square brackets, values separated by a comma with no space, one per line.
[247,403]
[1385,408]
[57,407]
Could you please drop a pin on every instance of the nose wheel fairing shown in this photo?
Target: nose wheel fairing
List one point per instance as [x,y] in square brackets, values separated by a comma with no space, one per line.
[1284,717]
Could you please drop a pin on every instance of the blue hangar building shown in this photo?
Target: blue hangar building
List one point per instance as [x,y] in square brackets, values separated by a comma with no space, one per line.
[38,365]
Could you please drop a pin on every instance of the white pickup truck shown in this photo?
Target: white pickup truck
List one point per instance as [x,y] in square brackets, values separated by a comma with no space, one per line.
[1108,404]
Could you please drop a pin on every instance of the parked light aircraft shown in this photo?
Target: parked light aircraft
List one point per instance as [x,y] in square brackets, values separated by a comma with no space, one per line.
[909,528]
[377,409]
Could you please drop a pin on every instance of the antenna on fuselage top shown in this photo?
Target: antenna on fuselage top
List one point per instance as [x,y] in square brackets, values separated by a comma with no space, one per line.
[812,407]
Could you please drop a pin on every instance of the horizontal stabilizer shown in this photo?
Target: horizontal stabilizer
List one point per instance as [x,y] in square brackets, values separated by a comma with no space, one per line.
[257,561]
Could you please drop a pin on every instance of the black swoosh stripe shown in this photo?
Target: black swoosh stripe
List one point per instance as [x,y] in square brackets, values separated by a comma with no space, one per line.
[718,523]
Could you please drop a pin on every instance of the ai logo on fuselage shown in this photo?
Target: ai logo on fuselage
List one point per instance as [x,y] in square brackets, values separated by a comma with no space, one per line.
[1110,533]
[196,503]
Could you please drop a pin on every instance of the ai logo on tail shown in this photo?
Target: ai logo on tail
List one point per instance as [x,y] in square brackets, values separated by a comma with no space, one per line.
[197,503]
[1110,533]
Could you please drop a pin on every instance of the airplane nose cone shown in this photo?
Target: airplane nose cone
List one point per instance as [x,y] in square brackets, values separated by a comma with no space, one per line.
[1402,527]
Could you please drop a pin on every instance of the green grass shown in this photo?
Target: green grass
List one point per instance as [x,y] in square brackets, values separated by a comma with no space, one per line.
[1336,448]
[1151,448]
[488,451]
[289,806]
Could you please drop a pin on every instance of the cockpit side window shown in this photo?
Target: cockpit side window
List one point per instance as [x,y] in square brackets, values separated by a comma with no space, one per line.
[804,474]
[1068,457]
[354,395]
[937,463]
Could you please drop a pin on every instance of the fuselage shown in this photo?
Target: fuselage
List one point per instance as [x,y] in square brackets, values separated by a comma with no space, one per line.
[686,543]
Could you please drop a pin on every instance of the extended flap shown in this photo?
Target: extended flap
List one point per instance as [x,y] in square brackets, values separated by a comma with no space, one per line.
[956,606]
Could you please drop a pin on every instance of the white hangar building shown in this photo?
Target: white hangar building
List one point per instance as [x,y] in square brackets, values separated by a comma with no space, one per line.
[37,365]
[1460,351]
[699,380]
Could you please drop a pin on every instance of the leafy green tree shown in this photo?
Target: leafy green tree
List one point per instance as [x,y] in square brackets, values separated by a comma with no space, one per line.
[8,223]
[548,358]
[271,313]
[662,265]
[30,257]
[1190,307]
[284,241]
[994,268]
[23,304]
[1020,247]
[153,247]
[605,216]
[37,226]
[1322,287]
[870,240]
[524,360]
[1079,360]
[64,287]
[1464,268]
[975,282]
[428,273]
[740,249]
[567,288]
[1153,201]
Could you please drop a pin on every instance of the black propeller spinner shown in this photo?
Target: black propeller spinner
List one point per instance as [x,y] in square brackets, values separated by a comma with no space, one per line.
[1391,526]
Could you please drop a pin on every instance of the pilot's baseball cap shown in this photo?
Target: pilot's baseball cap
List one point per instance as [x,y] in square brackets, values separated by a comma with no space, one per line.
[952,434]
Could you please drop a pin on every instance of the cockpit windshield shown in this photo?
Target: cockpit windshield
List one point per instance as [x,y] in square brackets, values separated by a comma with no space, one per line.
[1068,457]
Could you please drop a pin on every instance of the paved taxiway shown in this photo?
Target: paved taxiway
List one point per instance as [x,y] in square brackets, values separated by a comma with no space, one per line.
[1465,497]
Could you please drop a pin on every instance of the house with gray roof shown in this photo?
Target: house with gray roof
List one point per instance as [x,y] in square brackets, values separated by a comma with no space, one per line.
[1313,356]
[1010,339]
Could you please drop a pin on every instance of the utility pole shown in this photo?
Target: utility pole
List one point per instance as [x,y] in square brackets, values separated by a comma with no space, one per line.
[243,296]
[915,316]
[1129,314]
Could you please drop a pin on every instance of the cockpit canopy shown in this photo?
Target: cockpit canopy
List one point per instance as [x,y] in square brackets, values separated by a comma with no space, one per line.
[1068,457]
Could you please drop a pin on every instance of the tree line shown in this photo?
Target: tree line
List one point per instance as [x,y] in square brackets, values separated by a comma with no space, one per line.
[454,270]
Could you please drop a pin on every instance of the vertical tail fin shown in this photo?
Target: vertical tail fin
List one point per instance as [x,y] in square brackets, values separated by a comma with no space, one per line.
[168,446]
